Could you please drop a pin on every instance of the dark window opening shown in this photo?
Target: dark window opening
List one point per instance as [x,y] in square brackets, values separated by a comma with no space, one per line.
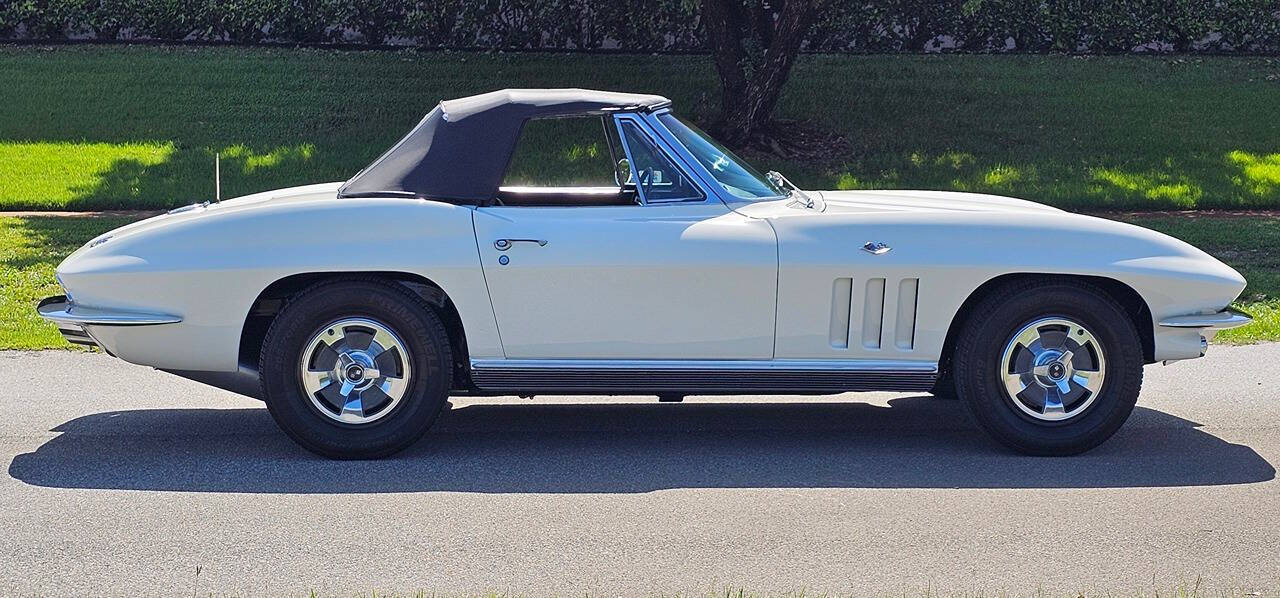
[566,162]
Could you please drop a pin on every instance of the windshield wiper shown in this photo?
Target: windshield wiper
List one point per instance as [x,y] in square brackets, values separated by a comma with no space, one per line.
[790,188]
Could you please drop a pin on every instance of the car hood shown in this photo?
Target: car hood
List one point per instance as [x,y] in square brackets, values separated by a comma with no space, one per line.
[925,201]
[926,228]
[306,193]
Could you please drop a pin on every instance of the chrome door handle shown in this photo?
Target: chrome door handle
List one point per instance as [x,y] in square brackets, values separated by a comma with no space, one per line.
[505,244]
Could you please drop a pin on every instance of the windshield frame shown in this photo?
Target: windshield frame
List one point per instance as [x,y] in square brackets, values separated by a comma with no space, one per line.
[711,184]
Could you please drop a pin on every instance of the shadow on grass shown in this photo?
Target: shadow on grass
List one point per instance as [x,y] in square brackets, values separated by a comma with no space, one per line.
[1228,179]
[151,175]
[916,442]
[106,176]
[46,240]
[1124,132]
[188,177]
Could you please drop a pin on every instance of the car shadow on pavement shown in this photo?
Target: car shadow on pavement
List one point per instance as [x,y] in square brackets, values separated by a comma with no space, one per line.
[915,442]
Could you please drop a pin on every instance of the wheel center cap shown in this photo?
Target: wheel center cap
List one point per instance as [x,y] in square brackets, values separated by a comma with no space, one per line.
[355,368]
[1051,368]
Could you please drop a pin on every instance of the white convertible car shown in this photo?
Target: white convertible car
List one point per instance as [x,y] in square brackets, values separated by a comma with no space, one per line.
[354,310]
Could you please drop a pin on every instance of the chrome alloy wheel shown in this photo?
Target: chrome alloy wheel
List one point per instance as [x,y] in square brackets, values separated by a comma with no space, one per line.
[355,370]
[1053,369]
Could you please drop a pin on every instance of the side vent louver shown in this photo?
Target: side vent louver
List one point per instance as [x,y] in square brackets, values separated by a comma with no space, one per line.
[904,329]
[878,314]
[841,295]
[873,313]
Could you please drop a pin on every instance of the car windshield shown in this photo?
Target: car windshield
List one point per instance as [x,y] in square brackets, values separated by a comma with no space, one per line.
[735,175]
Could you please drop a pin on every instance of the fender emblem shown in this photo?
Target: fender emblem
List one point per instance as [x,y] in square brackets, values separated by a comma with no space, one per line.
[876,248]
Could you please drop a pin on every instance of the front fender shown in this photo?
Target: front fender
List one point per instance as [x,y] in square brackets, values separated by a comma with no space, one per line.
[951,254]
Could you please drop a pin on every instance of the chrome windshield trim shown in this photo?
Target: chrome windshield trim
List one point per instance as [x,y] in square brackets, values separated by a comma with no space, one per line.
[669,151]
[711,365]
[709,183]
[60,309]
[677,151]
[1227,318]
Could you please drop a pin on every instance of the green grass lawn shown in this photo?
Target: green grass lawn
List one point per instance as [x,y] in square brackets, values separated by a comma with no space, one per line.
[95,127]
[30,249]
[32,246]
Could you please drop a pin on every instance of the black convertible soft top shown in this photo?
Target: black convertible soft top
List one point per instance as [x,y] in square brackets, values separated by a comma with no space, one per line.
[460,151]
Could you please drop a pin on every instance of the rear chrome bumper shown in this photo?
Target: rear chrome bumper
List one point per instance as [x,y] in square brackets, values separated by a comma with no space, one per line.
[1227,318]
[72,319]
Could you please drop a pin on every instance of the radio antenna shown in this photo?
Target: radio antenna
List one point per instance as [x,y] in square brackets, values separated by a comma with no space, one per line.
[217,177]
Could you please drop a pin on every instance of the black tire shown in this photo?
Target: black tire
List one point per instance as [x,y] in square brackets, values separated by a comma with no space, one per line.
[995,321]
[396,307]
[944,387]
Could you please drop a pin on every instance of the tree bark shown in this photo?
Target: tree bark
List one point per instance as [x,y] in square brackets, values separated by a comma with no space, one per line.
[754,51]
[723,20]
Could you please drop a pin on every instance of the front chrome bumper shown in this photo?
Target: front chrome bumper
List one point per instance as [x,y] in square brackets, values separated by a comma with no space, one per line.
[1227,318]
[73,319]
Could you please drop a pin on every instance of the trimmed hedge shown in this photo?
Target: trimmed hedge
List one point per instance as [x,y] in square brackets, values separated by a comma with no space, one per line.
[1089,26]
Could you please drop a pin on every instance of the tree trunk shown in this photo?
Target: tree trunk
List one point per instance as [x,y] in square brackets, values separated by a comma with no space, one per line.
[725,30]
[752,79]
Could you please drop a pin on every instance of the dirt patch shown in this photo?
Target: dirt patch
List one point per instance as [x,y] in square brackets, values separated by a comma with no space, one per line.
[797,140]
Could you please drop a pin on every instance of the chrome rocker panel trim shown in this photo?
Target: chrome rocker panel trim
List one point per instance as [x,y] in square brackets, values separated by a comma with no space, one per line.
[700,377]
[1227,318]
[62,310]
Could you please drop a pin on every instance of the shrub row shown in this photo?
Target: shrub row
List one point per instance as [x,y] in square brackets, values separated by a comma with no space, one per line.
[664,25]
[1094,26]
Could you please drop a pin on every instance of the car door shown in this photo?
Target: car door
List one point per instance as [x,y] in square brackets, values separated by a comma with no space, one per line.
[678,276]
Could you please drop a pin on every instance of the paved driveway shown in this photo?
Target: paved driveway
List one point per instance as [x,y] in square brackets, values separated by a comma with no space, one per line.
[121,479]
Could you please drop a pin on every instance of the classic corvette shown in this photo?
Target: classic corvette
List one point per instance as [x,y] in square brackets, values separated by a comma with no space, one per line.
[355,309]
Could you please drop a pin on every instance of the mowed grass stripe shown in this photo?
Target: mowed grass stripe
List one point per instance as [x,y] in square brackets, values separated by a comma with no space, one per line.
[1087,133]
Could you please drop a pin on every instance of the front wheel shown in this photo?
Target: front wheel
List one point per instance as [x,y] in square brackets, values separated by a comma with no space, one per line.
[355,369]
[1049,369]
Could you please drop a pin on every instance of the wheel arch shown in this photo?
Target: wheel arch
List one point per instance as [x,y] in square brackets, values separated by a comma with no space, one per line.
[1132,302]
[267,305]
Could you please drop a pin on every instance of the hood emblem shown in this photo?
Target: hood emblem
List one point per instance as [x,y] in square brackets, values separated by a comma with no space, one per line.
[876,248]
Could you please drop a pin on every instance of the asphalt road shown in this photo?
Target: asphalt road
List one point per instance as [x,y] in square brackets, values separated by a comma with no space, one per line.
[123,480]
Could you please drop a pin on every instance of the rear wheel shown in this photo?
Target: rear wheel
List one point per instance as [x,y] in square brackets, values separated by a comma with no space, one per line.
[1049,369]
[355,369]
